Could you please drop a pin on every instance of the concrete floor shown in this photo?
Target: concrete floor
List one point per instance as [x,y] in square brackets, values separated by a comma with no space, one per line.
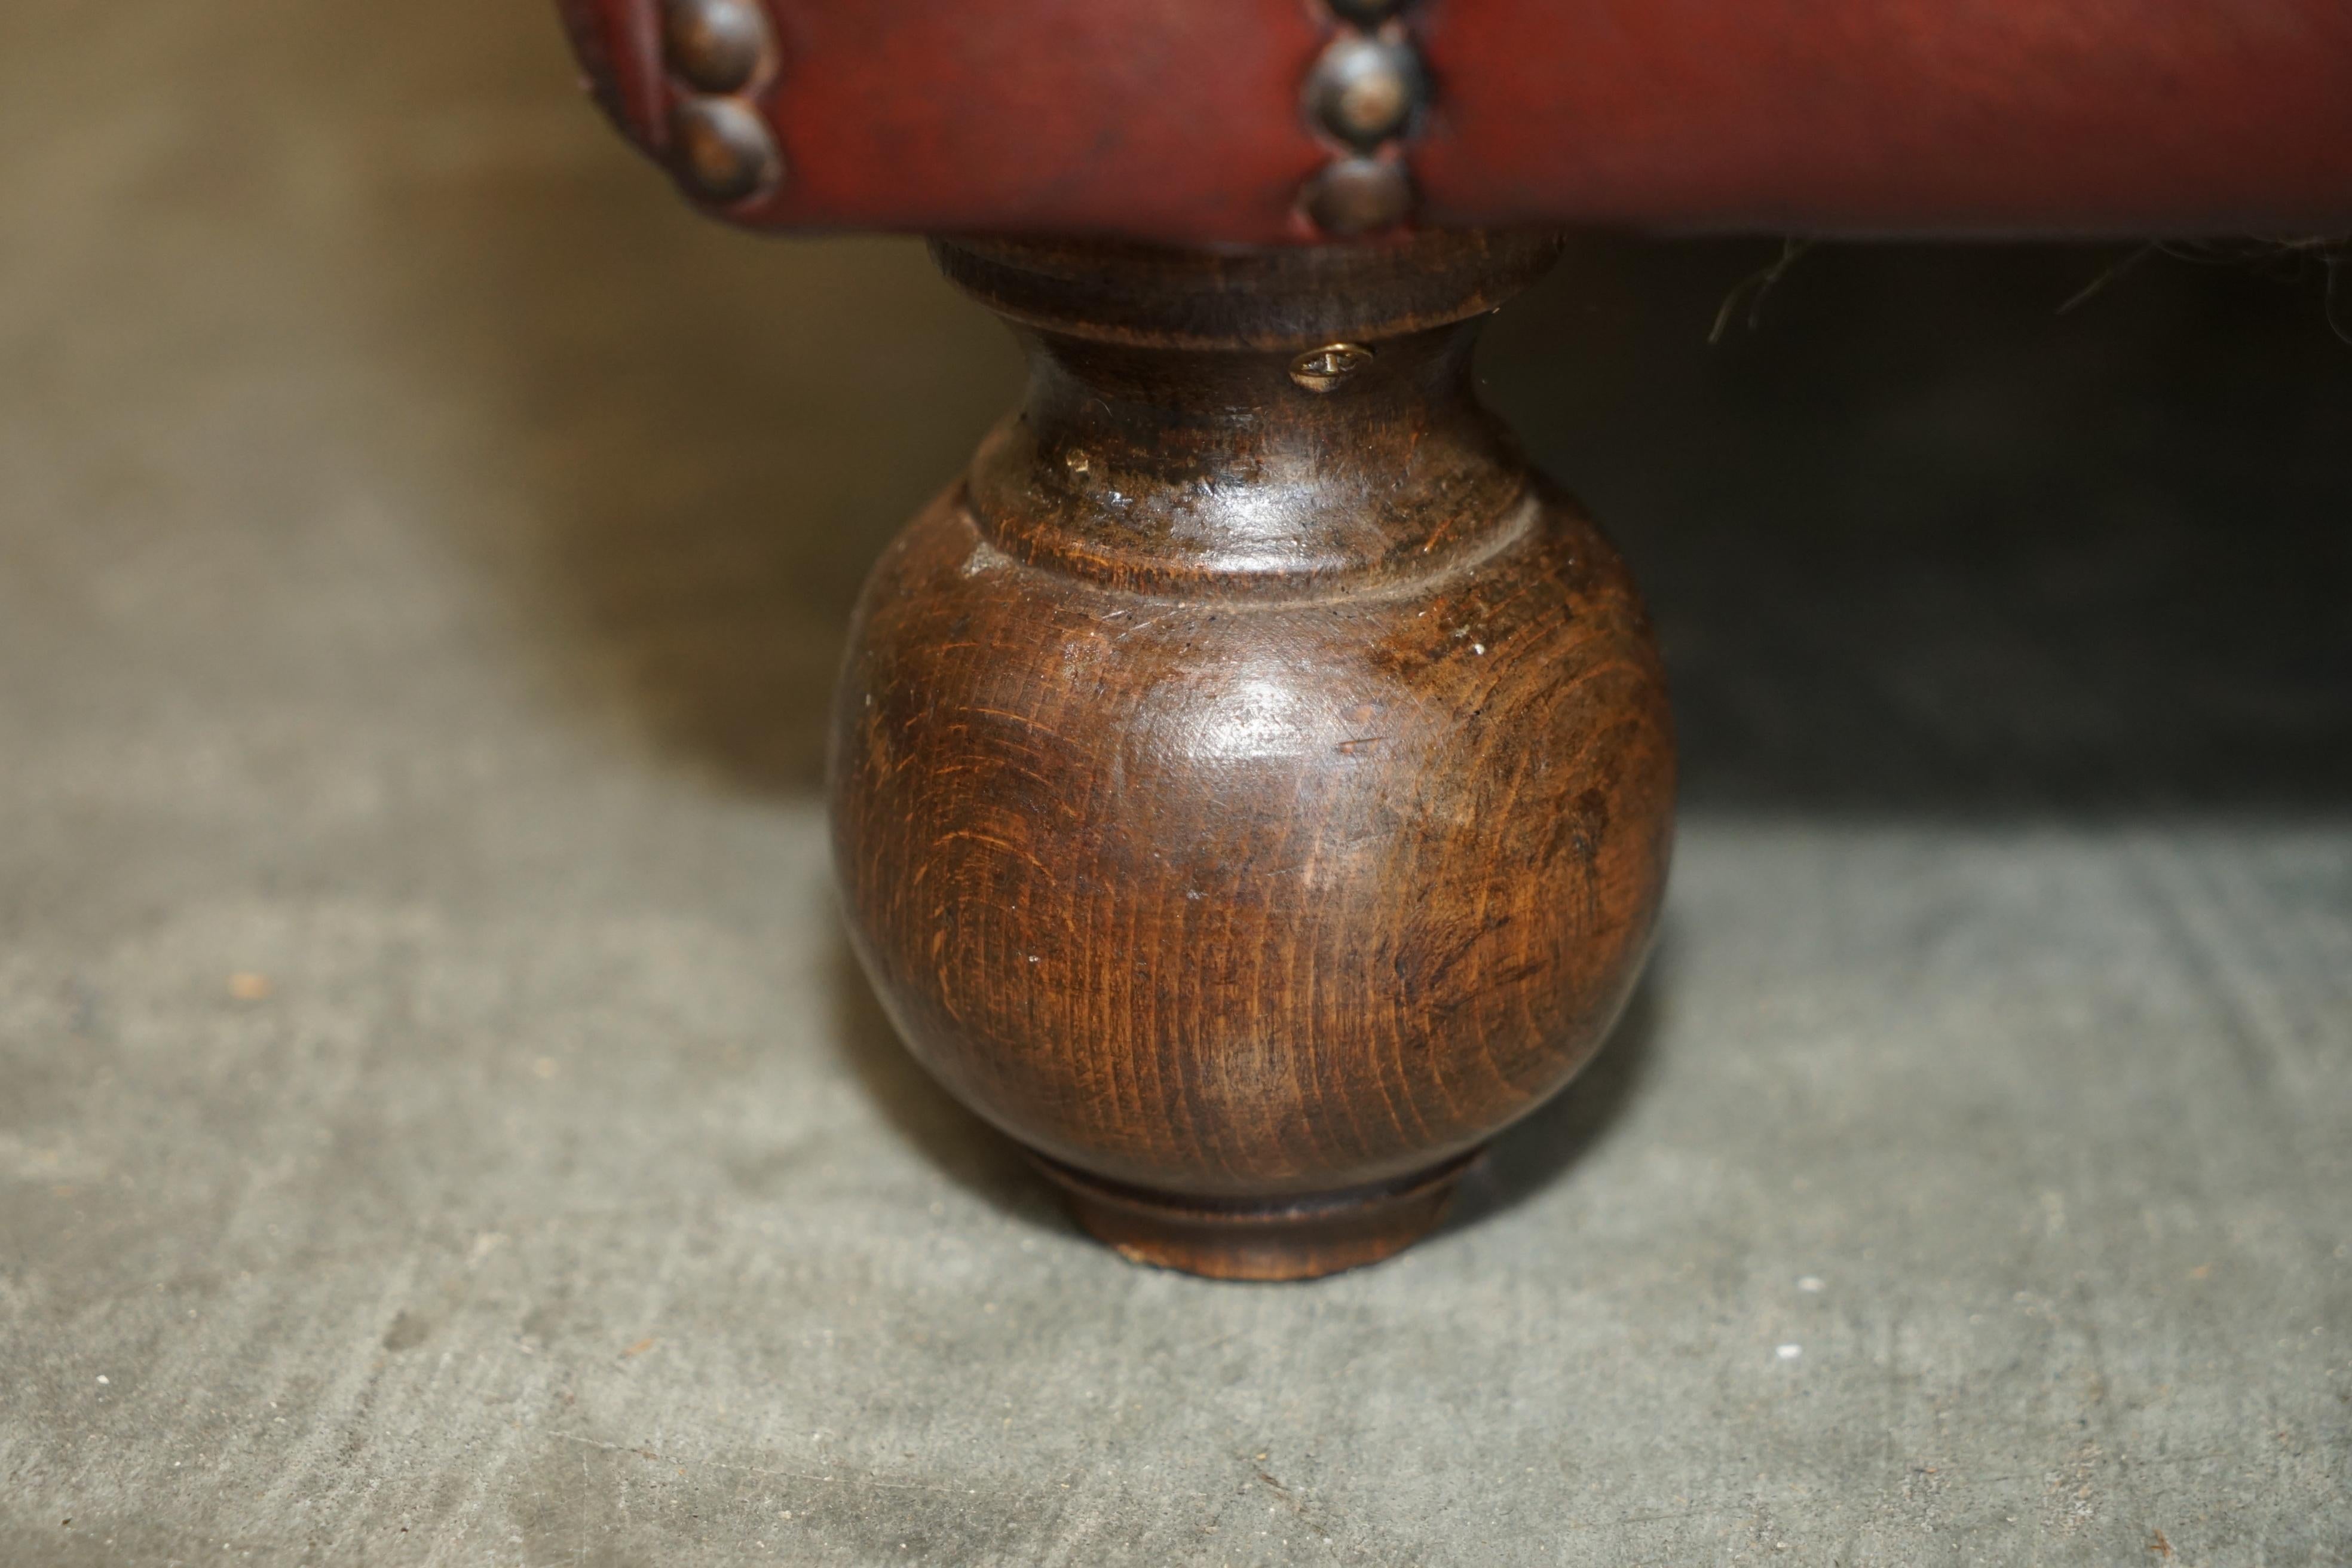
[438,1124]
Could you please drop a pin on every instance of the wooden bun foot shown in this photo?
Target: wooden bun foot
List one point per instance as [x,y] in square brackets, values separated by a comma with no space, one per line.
[1251,786]
[1261,1238]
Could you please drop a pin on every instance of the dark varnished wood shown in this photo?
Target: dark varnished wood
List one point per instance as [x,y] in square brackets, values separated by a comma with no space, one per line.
[1249,798]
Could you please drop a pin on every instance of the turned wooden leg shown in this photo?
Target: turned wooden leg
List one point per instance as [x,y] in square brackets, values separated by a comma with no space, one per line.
[1252,785]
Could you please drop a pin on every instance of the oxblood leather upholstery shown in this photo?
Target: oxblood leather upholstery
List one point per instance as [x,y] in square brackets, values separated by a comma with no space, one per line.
[1183,121]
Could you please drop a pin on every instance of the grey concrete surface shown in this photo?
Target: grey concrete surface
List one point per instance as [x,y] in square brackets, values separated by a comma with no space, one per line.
[438,1124]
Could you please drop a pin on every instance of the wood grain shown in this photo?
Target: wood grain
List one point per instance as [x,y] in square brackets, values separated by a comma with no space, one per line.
[1251,798]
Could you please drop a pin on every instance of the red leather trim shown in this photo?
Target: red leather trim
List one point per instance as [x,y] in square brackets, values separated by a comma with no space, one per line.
[618,43]
[1172,117]
[1893,115]
[1180,120]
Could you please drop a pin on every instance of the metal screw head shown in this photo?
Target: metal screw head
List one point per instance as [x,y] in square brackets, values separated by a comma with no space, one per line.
[717,44]
[1320,370]
[1365,90]
[723,151]
[1359,195]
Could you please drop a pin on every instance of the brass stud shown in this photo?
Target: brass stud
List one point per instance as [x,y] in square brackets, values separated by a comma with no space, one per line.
[724,152]
[1320,370]
[717,44]
[1359,195]
[1366,90]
